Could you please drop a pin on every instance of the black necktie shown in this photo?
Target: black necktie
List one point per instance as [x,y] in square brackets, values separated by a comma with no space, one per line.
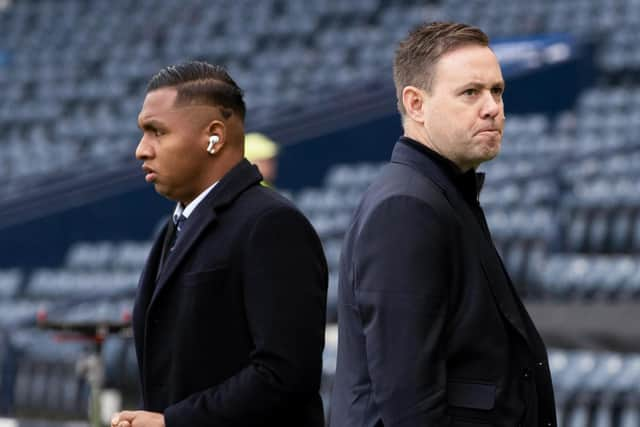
[179,223]
[170,238]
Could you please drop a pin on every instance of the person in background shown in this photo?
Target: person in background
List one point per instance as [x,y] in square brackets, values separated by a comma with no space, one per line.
[263,152]
[229,316]
[431,330]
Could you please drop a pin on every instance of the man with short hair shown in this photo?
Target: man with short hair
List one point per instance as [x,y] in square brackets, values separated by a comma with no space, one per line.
[230,312]
[431,330]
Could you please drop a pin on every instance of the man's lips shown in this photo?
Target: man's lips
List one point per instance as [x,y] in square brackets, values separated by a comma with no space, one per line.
[150,174]
[491,131]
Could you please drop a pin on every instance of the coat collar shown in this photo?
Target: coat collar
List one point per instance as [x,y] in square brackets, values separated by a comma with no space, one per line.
[469,183]
[235,182]
[409,156]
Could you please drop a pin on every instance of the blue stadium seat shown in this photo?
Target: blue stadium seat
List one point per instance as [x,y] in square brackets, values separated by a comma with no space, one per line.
[630,416]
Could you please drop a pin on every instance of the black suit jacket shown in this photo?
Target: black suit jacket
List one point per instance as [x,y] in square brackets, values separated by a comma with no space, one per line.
[230,332]
[431,332]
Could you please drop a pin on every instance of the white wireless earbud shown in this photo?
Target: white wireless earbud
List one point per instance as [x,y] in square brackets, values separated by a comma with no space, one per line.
[213,140]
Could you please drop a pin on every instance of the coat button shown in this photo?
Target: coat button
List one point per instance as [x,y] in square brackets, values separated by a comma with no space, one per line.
[526,374]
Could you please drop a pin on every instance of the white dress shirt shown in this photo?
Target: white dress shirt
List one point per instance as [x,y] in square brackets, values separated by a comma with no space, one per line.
[186,210]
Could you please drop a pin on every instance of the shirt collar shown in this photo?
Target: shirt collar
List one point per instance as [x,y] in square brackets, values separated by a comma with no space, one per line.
[187,210]
[469,183]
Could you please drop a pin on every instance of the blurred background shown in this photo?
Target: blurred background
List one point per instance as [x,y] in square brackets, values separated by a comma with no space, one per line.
[77,219]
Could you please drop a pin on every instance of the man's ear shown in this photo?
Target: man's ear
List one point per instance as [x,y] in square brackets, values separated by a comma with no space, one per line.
[413,100]
[216,136]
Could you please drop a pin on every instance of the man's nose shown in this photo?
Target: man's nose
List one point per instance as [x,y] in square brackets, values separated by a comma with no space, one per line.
[491,106]
[144,149]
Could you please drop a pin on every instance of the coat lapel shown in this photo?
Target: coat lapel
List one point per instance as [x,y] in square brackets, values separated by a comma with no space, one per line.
[499,283]
[236,181]
[147,282]
[146,287]
[169,234]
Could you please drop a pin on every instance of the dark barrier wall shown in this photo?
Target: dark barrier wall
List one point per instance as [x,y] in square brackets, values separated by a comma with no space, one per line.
[128,216]
[306,163]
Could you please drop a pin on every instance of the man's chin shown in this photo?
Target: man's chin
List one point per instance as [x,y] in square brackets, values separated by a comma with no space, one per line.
[492,147]
[162,191]
[488,155]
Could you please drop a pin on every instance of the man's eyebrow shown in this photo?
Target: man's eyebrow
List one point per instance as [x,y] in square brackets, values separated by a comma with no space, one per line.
[479,84]
[148,124]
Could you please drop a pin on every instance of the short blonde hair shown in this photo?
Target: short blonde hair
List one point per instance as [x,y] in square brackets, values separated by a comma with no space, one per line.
[258,147]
